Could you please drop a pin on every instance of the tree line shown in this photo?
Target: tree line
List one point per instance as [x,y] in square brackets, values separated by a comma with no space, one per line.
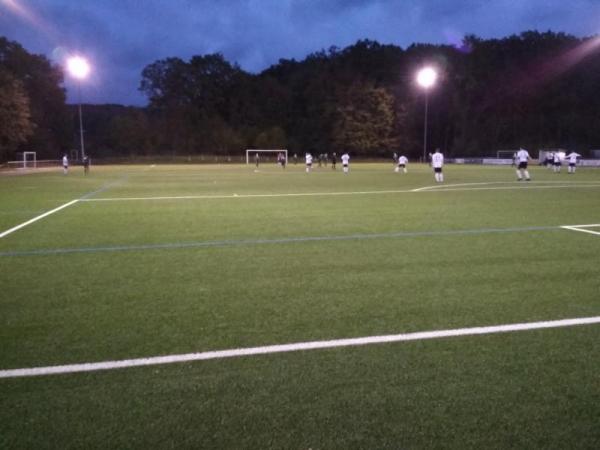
[532,90]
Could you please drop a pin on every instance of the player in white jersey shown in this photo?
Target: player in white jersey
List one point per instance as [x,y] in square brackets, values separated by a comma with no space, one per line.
[557,161]
[402,162]
[572,157]
[345,160]
[522,159]
[437,162]
[309,159]
[65,163]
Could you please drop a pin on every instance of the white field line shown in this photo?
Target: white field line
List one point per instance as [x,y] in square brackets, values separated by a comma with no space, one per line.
[521,186]
[443,186]
[582,228]
[516,184]
[301,346]
[228,196]
[325,194]
[590,225]
[66,205]
[35,219]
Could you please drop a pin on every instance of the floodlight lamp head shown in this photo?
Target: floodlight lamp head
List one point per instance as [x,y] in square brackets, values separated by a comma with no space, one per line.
[78,67]
[426,77]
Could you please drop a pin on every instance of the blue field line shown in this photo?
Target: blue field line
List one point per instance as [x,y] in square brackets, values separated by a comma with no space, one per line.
[111,184]
[288,240]
[105,187]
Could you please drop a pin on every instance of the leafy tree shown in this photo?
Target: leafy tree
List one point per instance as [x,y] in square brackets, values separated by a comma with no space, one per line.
[272,138]
[364,120]
[15,117]
[131,133]
[533,89]
[42,83]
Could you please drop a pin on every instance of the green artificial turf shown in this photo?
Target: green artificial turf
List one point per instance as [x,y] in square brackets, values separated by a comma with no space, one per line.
[243,258]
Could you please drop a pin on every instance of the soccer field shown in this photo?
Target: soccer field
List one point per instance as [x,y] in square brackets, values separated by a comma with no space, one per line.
[163,296]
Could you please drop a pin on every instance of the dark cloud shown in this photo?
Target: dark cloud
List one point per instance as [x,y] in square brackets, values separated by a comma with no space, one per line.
[121,37]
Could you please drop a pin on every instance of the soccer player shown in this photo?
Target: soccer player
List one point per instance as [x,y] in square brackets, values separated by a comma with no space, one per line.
[281,160]
[345,160]
[549,161]
[572,157]
[309,159]
[86,164]
[522,159]
[557,162]
[402,161]
[333,160]
[256,159]
[65,162]
[437,162]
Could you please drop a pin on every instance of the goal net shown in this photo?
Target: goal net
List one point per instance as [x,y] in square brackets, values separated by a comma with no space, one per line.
[39,164]
[29,161]
[506,154]
[24,160]
[265,155]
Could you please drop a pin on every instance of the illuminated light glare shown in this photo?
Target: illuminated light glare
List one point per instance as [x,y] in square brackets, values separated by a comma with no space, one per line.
[426,77]
[78,67]
[59,54]
[20,10]
[17,8]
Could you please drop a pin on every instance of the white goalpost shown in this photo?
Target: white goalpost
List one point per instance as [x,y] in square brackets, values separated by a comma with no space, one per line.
[25,160]
[30,156]
[251,154]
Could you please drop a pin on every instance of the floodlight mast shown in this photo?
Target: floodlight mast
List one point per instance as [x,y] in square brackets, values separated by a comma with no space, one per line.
[79,68]
[426,78]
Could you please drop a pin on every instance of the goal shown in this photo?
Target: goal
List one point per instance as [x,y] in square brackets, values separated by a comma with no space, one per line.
[29,161]
[506,154]
[39,164]
[271,154]
[25,160]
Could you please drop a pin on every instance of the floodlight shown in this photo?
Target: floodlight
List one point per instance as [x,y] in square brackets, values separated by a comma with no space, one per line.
[426,77]
[78,67]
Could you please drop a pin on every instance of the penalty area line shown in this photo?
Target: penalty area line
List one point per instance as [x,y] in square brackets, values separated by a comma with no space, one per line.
[427,189]
[35,219]
[582,228]
[66,205]
[294,347]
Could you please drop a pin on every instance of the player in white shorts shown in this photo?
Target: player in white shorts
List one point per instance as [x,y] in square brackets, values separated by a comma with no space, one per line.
[65,163]
[402,162]
[557,162]
[572,157]
[437,162]
[522,159]
[309,159]
[345,160]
